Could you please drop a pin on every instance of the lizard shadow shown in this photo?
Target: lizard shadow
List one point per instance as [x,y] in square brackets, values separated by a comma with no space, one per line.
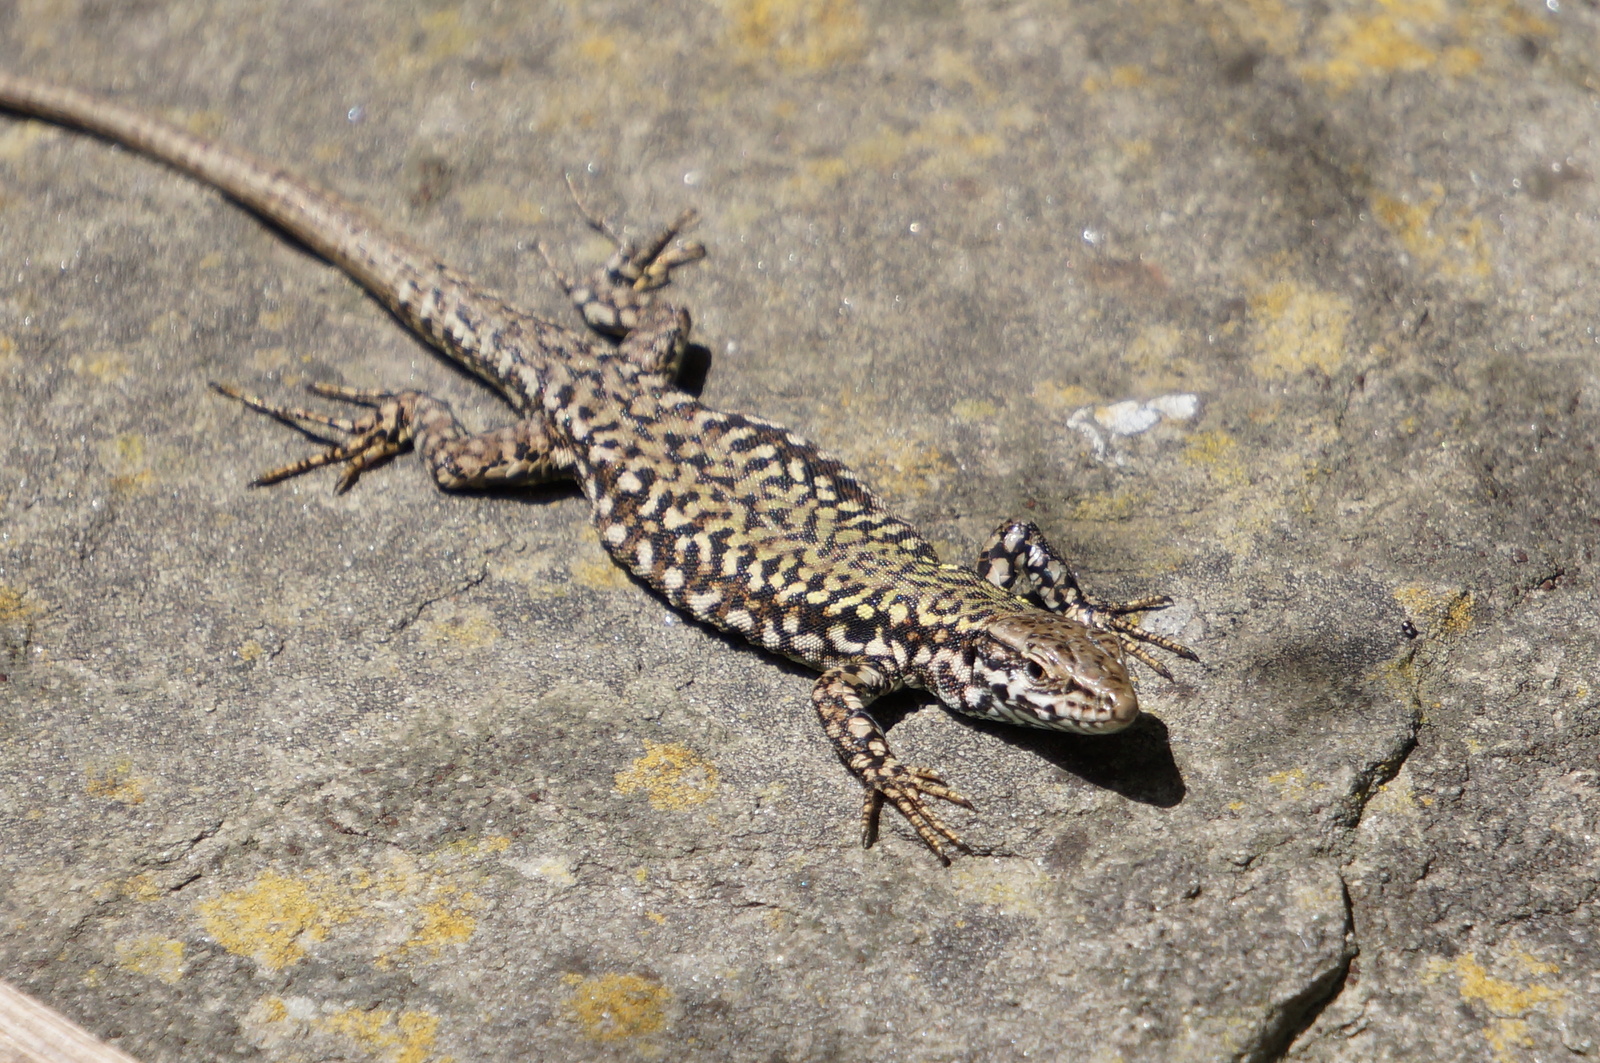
[1136,763]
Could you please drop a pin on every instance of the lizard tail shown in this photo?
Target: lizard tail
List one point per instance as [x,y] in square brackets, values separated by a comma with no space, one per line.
[408,280]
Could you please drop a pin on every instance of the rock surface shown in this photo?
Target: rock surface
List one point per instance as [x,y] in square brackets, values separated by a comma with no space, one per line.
[1290,312]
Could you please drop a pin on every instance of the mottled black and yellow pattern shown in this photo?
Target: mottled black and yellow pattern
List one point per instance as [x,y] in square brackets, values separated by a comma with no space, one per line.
[737,521]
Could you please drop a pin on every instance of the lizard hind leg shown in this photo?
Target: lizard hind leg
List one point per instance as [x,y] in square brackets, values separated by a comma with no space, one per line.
[614,297]
[522,453]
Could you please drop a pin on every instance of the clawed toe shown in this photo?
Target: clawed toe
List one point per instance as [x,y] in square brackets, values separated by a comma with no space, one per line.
[905,788]
[376,436]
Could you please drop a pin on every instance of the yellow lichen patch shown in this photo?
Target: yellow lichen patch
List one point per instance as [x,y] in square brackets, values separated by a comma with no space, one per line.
[612,1007]
[202,123]
[125,458]
[601,574]
[553,869]
[424,899]
[598,48]
[8,352]
[468,628]
[1508,1003]
[953,69]
[471,848]
[1322,896]
[1119,77]
[14,604]
[154,957]
[1451,244]
[975,411]
[947,144]
[447,921]
[1014,887]
[1158,353]
[487,200]
[435,37]
[1217,453]
[1062,396]
[907,471]
[269,1009]
[1299,329]
[107,367]
[141,887]
[1268,24]
[1118,505]
[116,783]
[805,34]
[1441,614]
[673,776]
[594,569]
[19,138]
[1385,37]
[273,919]
[404,1038]
[1293,784]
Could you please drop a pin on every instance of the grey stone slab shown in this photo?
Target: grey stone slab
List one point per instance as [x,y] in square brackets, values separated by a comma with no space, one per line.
[1289,312]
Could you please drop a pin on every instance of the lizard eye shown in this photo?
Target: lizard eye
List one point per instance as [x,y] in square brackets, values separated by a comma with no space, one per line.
[1035,670]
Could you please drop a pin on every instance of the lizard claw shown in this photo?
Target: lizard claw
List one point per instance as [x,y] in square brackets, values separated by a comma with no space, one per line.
[1114,617]
[904,787]
[376,436]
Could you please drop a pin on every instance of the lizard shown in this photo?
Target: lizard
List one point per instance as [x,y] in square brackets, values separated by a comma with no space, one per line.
[739,522]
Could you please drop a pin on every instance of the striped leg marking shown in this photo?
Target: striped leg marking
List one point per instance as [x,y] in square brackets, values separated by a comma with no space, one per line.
[841,696]
[1017,554]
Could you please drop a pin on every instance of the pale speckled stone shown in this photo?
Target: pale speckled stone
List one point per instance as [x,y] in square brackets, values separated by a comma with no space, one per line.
[286,775]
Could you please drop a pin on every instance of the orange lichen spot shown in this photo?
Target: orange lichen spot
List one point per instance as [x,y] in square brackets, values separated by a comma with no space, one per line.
[117,783]
[613,1007]
[404,1038]
[274,919]
[1442,614]
[14,604]
[1298,329]
[1507,1003]
[673,776]
[154,957]
[806,34]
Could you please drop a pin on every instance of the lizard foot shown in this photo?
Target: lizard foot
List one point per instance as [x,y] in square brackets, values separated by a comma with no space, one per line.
[1114,617]
[613,297]
[905,787]
[375,436]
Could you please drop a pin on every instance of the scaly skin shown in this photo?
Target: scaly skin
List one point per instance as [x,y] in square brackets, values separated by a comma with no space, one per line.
[738,522]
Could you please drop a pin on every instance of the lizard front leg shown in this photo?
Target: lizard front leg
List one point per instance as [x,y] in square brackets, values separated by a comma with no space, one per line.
[1018,551]
[841,696]
[522,453]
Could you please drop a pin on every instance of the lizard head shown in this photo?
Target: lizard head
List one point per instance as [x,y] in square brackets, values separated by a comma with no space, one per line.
[1046,670]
